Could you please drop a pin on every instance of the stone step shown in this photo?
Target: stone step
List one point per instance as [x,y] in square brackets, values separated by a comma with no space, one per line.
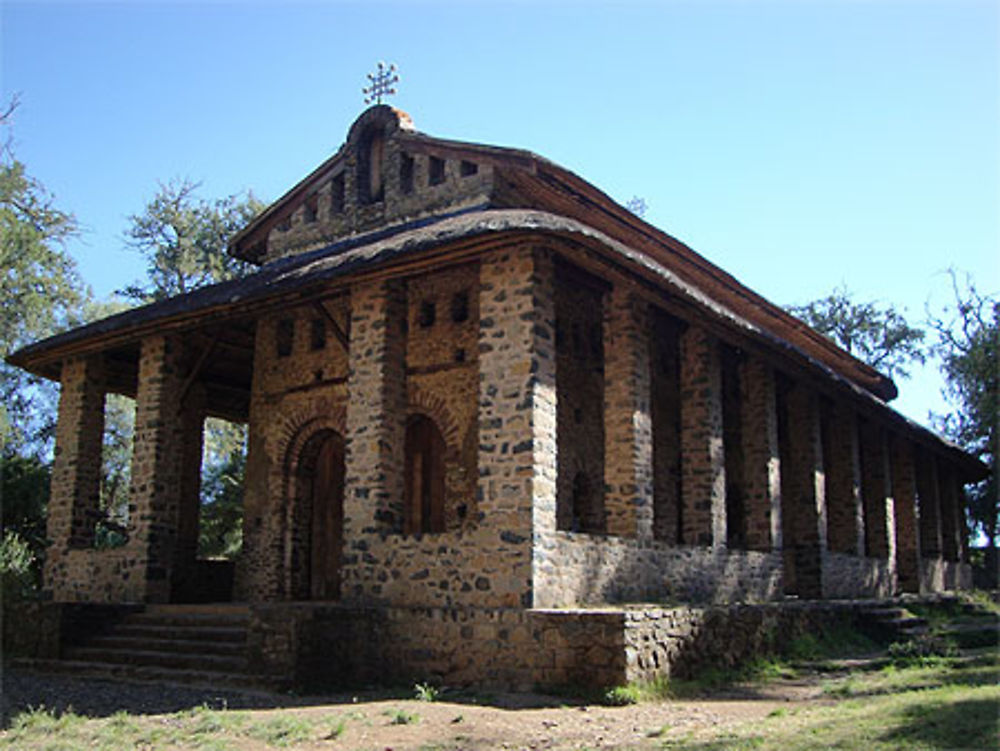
[158,674]
[222,608]
[181,645]
[905,623]
[201,620]
[234,634]
[886,613]
[145,657]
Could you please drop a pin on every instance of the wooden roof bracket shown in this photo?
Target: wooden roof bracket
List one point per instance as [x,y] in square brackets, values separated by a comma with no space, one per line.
[195,371]
[337,330]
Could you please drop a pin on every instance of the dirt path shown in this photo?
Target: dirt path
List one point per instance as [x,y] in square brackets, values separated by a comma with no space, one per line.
[502,721]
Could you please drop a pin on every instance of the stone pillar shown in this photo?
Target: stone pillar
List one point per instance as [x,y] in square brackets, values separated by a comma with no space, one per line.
[904,495]
[880,529]
[703,469]
[192,428]
[74,500]
[628,433]
[157,460]
[517,414]
[804,493]
[845,509]
[929,506]
[376,416]
[761,462]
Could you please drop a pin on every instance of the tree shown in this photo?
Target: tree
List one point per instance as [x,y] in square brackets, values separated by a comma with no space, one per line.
[874,333]
[968,343]
[184,238]
[40,289]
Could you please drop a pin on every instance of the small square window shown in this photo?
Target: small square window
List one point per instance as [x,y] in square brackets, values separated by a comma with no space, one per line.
[284,337]
[427,314]
[406,174]
[310,210]
[337,194]
[468,169]
[435,172]
[317,334]
[460,307]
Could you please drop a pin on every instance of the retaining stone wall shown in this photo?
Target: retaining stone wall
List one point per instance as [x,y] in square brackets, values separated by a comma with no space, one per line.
[323,646]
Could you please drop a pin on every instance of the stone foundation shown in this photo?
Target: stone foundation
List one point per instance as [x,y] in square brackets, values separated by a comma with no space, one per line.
[847,575]
[937,575]
[321,646]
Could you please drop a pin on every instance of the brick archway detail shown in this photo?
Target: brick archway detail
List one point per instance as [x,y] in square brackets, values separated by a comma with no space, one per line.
[437,410]
[299,428]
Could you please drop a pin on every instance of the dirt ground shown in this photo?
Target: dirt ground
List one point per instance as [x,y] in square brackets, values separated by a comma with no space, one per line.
[453,721]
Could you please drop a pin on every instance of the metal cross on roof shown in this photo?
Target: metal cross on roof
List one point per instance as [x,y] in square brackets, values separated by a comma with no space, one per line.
[382,81]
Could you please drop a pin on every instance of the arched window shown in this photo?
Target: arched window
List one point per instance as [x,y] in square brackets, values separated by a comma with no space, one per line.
[370,157]
[425,449]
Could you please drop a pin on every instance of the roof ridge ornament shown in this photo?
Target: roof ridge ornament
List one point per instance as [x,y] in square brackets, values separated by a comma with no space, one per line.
[381,83]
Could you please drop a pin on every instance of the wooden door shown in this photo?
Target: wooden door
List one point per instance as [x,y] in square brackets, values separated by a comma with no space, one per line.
[327,520]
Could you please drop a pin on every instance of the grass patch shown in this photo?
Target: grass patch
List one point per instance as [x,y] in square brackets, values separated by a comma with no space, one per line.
[836,641]
[282,731]
[426,692]
[944,717]
[401,717]
[199,728]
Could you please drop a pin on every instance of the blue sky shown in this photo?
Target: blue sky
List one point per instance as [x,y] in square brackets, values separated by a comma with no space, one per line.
[798,145]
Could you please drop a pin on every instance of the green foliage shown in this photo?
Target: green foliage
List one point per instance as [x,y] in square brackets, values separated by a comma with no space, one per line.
[40,289]
[426,692]
[968,343]
[620,696]
[921,650]
[18,572]
[875,333]
[282,731]
[224,468]
[116,461]
[184,238]
[401,717]
[24,490]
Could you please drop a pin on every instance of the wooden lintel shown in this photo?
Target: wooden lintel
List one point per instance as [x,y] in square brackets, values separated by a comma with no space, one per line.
[337,330]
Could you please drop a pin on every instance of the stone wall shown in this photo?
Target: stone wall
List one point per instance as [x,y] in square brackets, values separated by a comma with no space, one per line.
[846,575]
[574,569]
[939,575]
[410,182]
[325,646]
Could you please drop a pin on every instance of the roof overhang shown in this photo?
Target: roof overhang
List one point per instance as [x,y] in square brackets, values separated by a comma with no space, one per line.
[470,233]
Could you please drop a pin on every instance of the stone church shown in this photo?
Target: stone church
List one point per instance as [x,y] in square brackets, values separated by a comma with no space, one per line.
[489,409]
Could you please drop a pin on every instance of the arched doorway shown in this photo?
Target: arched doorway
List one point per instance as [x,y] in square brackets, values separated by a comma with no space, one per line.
[425,449]
[318,518]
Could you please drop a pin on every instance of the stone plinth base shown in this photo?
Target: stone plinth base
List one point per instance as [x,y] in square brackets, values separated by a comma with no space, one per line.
[937,575]
[321,646]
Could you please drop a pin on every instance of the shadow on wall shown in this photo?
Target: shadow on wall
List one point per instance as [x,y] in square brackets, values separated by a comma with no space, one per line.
[597,570]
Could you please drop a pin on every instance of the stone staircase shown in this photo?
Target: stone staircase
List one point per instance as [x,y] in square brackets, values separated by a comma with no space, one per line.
[894,621]
[202,645]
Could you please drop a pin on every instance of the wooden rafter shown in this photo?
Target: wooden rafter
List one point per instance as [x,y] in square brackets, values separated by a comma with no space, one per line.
[337,330]
[193,375]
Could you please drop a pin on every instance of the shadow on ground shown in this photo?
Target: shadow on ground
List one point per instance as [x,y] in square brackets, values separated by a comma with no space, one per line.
[21,690]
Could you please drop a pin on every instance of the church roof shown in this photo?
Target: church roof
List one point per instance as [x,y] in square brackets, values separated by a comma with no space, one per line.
[486,195]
